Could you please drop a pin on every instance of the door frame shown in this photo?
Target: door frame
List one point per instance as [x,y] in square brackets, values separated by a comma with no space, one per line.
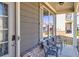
[14,29]
[75,30]
[42,7]
[11,29]
[17,30]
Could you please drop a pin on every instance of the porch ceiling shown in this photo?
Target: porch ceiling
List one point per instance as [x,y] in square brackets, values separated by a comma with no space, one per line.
[65,8]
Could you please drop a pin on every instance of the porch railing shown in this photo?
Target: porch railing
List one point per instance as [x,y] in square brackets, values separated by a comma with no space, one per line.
[66,40]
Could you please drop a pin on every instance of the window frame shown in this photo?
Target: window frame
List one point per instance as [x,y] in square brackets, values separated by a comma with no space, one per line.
[5,29]
[70,28]
[42,7]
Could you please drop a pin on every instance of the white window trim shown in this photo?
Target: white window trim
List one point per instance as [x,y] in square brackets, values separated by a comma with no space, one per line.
[42,7]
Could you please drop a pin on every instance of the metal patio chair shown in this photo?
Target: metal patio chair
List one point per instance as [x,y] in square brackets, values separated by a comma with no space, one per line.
[50,49]
[60,44]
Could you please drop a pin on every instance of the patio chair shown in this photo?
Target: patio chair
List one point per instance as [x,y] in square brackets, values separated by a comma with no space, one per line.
[50,49]
[78,49]
[59,43]
[77,45]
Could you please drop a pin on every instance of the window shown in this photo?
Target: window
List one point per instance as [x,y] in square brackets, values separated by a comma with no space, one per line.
[47,21]
[68,27]
[68,24]
[3,9]
[51,25]
[3,29]
[68,16]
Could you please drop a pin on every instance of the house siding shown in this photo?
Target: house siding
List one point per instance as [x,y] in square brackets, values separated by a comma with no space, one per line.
[29,19]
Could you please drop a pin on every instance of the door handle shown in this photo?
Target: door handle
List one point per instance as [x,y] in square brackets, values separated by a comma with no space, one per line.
[13,37]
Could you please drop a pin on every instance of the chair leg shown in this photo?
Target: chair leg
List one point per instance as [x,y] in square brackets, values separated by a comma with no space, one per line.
[56,54]
[46,55]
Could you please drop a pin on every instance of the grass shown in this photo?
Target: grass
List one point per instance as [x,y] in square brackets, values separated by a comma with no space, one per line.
[78,33]
[68,42]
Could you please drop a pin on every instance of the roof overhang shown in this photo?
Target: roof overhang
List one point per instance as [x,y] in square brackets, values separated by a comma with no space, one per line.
[67,7]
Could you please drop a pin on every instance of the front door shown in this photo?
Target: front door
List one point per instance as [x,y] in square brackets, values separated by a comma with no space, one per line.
[6,29]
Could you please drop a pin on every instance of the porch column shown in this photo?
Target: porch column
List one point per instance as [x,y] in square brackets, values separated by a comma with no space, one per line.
[74,30]
[41,22]
[75,24]
[54,27]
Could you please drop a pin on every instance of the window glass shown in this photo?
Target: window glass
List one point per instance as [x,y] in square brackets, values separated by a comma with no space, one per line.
[68,27]
[68,24]
[3,23]
[3,9]
[3,29]
[3,49]
[51,24]
[48,26]
[3,35]
[45,23]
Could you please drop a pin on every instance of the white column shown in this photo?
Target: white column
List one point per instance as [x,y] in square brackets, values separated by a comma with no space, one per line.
[54,24]
[41,23]
[18,29]
[74,30]
[54,28]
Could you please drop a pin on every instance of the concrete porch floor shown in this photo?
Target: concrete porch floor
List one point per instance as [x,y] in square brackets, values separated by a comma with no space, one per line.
[68,51]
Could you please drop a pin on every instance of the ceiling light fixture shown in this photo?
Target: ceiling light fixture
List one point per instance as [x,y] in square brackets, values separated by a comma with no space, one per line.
[61,3]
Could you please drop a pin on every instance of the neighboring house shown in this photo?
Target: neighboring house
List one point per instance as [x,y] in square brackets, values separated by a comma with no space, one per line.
[33,17]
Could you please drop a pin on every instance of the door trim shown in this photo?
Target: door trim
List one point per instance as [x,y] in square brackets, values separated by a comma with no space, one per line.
[11,28]
[17,29]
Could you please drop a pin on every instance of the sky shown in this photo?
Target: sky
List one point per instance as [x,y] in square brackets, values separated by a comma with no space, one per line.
[46,19]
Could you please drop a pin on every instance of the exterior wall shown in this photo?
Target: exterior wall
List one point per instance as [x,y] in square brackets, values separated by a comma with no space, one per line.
[29,16]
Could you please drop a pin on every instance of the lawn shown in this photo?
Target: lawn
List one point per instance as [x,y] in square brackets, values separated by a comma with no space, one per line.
[78,33]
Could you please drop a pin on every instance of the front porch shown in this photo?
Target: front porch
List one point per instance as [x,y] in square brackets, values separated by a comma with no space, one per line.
[68,51]
[41,22]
